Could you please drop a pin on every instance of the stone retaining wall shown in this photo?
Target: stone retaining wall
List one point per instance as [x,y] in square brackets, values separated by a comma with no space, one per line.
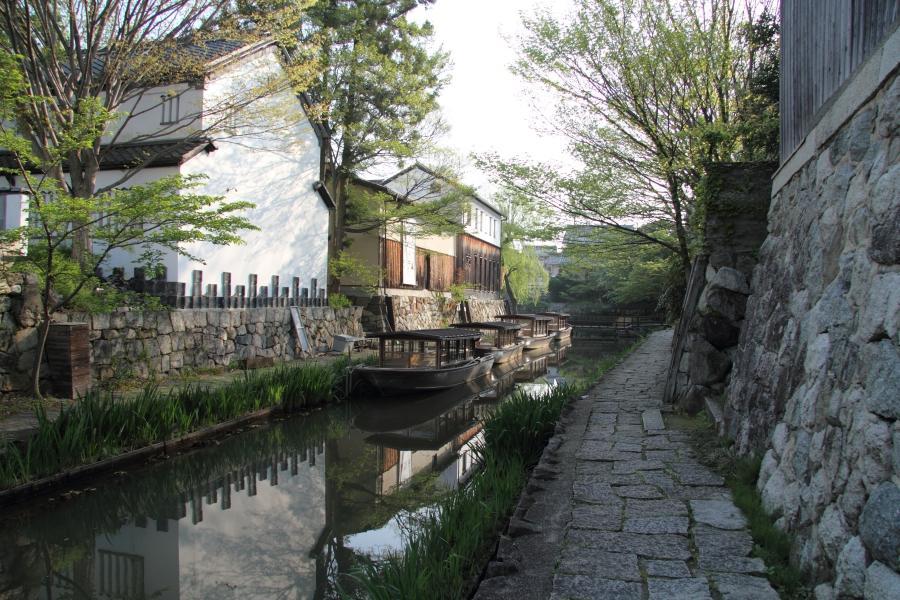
[816,382]
[137,345]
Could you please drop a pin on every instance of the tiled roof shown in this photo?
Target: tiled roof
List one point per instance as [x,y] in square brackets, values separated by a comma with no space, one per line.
[164,153]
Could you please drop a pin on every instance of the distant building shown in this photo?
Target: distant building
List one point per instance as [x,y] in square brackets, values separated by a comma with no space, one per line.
[409,261]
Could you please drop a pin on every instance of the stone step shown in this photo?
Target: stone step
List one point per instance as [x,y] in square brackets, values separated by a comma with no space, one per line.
[653,420]
[716,412]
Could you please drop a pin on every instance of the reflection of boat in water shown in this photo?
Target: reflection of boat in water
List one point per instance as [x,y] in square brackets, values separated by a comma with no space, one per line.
[391,414]
[559,326]
[559,355]
[425,359]
[504,380]
[499,338]
[534,330]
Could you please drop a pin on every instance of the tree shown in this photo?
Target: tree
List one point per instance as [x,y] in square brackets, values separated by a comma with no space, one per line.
[524,277]
[377,93]
[647,92]
[163,214]
[86,65]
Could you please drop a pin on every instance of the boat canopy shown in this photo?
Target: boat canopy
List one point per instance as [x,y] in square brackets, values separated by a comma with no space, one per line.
[550,313]
[499,325]
[527,317]
[432,335]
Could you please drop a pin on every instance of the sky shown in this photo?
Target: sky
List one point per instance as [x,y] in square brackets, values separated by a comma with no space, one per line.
[488,108]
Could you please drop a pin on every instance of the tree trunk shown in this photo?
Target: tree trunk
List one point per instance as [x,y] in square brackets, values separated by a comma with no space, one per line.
[513,303]
[338,234]
[680,231]
[43,333]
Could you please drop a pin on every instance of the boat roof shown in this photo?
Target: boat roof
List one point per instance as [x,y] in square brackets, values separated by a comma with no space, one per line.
[530,317]
[554,314]
[499,325]
[437,335]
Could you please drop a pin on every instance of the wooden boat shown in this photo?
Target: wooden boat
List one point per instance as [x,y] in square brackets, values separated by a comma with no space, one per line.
[424,359]
[499,338]
[534,330]
[559,326]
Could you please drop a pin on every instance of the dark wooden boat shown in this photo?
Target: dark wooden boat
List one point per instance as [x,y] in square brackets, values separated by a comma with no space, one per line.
[423,360]
[534,332]
[559,326]
[500,338]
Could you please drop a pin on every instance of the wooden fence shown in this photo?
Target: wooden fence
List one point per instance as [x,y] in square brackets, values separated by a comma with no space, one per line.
[175,294]
[434,271]
[822,44]
[477,264]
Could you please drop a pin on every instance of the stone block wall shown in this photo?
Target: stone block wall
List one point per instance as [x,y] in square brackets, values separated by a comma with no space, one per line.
[713,314]
[816,382]
[423,312]
[146,344]
[142,344]
[485,309]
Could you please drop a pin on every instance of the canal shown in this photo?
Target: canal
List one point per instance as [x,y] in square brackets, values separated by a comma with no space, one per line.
[282,510]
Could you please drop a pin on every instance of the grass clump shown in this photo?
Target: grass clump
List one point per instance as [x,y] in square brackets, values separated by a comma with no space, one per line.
[741,473]
[100,424]
[448,545]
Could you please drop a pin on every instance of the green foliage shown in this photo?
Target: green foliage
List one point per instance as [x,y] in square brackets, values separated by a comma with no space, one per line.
[450,542]
[741,474]
[457,292]
[101,425]
[648,92]
[527,277]
[336,300]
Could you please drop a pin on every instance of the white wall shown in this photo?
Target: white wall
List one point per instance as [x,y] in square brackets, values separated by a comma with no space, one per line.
[273,162]
[142,114]
[483,222]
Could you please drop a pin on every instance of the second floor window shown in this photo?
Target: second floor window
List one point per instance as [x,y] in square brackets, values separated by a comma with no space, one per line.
[170,106]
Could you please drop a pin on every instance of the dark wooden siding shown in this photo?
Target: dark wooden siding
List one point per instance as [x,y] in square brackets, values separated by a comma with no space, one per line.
[477,264]
[822,44]
[393,263]
[434,271]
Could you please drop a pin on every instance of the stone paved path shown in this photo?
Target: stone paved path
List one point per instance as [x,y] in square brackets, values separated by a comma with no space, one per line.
[620,508]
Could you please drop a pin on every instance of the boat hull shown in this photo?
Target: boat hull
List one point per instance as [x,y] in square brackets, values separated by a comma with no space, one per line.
[391,380]
[563,334]
[503,355]
[535,344]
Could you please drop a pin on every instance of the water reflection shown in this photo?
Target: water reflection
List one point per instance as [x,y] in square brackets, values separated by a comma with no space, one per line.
[279,511]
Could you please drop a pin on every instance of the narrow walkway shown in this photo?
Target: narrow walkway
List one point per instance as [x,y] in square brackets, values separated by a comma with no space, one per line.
[619,507]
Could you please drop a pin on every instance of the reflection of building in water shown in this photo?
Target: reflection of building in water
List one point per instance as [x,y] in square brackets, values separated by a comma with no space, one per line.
[219,539]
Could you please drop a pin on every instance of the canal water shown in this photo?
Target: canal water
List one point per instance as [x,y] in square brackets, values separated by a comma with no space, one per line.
[282,510]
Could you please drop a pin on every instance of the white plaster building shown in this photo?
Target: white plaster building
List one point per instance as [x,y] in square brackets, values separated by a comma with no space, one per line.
[429,263]
[267,152]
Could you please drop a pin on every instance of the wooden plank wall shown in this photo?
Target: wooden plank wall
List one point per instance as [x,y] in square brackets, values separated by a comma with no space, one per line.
[393,263]
[822,44]
[477,264]
[434,271]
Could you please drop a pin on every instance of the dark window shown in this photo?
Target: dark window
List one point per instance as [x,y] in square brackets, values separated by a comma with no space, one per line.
[170,107]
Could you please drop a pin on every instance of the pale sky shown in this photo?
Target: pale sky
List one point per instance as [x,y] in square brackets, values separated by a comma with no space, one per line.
[487,107]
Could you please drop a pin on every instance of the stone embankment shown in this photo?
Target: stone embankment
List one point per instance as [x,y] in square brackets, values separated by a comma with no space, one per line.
[619,507]
[816,382]
[128,344]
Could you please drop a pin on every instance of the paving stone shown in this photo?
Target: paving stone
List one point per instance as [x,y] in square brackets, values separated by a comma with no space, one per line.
[646,492]
[695,588]
[660,442]
[582,587]
[659,479]
[627,447]
[577,560]
[596,493]
[713,542]
[695,474]
[661,508]
[618,479]
[734,586]
[731,564]
[718,513]
[689,492]
[606,407]
[675,569]
[652,420]
[661,545]
[663,455]
[657,525]
[592,516]
[633,466]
